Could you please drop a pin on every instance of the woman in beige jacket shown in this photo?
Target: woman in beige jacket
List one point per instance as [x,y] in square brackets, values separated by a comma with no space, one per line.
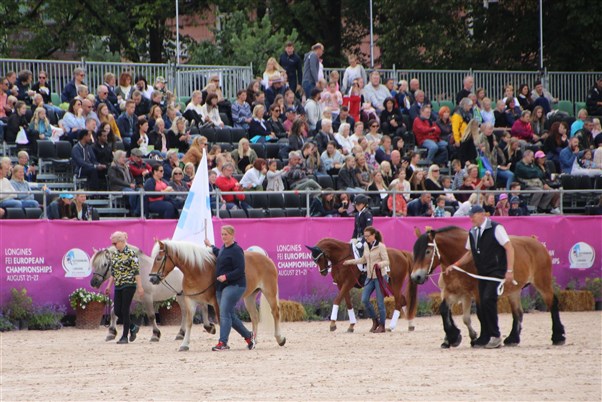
[375,257]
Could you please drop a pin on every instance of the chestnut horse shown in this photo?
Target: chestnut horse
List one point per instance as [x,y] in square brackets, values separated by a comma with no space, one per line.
[532,265]
[329,255]
[197,263]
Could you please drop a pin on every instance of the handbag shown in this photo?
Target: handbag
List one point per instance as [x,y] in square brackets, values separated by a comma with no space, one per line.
[22,137]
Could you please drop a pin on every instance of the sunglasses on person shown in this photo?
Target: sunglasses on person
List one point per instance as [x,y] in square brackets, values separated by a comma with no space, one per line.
[114,243]
[178,174]
[160,170]
[41,77]
[375,126]
[276,110]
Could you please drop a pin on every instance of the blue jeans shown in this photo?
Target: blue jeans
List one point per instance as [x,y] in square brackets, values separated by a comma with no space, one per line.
[227,299]
[436,149]
[505,175]
[11,203]
[371,285]
[30,204]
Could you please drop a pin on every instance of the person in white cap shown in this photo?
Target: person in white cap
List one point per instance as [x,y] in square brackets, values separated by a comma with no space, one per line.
[490,248]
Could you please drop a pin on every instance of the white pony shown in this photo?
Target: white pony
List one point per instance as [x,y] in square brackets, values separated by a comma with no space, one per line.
[101,265]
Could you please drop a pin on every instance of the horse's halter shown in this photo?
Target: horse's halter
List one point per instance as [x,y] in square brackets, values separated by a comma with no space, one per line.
[323,271]
[159,274]
[107,266]
[435,253]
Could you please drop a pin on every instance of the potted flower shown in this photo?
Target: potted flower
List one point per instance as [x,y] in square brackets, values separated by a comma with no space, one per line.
[89,308]
[594,285]
[170,312]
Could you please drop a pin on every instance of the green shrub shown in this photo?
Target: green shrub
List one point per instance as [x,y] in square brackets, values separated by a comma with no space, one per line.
[20,306]
[5,324]
[47,317]
[424,308]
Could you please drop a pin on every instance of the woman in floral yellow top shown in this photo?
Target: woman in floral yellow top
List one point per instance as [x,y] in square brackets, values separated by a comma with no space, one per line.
[125,274]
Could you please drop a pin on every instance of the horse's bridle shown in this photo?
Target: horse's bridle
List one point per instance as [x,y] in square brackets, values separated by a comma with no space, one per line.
[435,254]
[330,264]
[159,273]
[103,276]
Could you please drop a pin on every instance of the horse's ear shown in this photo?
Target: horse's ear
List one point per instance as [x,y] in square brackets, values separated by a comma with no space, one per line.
[428,229]
[417,231]
[313,249]
[95,250]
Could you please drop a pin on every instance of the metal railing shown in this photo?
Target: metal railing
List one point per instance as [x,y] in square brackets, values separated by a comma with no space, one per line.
[308,195]
[443,85]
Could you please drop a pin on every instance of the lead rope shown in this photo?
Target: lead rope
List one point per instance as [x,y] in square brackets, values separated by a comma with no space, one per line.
[108,313]
[500,288]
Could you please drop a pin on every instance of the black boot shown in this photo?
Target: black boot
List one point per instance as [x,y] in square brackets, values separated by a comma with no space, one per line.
[374,325]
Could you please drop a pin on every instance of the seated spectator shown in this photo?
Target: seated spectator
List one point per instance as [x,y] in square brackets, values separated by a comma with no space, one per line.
[142,104]
[386,172]
[332,99]
[215,150]
[210,112]
[61,208]
[30,169]
[383,151]
[41,124]
[226,182]
[8,197]
[368,114]
[569,155]
[392,120]
[503,206]
[445,125]
[450,198]
[467,151]
[532,178]
[102,97]
[332,160]
[277,87]
[84,161]
[460,119]
[297,176]
[375,93]
[488,204]
[487,112]
[513,112]
[417,183]
[70,90]
[584,134]
[274,176]
[259,130]
[189,173]
[524,97]
[17,121]
[121,179]
[171,162]
[126,123]
[515,209]
[241,111]
[158,139]
[195,152]
[522,130]
[139,169]
[155,113]
[428,135]
[274,125]
[193,111]
[421,206]
[125,89]
[325,135]
[178,184]
[538,123]
[73,121]
[347,179]
[432,183]
[541,97]
[140,139]
[82,211]
[515,189]
[397,199]
[324,205]
[254,177]
[468,83]
[501,120]
[103,151]
[178,136]
[549,183]
[162,204]
[343,140]
[557,140]
[244,156]
[343,117]
[312,109]
[464,208]
[594,99]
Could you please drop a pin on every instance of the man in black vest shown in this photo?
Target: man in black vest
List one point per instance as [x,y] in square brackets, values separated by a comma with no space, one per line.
[493,255]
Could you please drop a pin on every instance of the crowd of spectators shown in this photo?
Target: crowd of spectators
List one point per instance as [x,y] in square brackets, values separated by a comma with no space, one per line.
[364,133]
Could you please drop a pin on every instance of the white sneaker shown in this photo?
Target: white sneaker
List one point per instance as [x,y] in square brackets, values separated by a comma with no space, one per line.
[494,343]
[556,211]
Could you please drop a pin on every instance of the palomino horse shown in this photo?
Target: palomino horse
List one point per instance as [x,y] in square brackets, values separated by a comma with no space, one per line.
[532,265]
[101,265]
[329,255]
[197,263]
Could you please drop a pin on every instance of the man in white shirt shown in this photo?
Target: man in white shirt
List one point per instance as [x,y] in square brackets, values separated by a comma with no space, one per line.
[376,93]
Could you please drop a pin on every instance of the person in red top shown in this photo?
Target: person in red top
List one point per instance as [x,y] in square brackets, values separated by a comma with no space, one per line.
[226,182]
[139,169]
[401,206]
[164,205]
[522,129]
[428,136]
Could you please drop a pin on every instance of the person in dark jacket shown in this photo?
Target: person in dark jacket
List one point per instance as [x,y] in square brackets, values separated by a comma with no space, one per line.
[363,217]
[311,67]
[490,248]
[291,62]
[84,161]
[70,90]
[230,284]
[421,206]
[594,99]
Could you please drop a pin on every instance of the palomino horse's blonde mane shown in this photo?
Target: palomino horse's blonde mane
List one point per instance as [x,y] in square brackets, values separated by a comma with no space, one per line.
[192,254]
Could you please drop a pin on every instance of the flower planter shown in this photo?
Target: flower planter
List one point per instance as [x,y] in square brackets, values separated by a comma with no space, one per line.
[172,316]
[598,305]
[89,317]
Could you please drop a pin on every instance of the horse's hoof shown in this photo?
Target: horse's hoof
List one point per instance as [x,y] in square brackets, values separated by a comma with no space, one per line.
[511,342]
[212,330]
[445,345]
[154,339]
[457,342]
[350,330]
[110,338]
[411,328]
[282,341]
[179,337]
[183,349]
[333,328]
[559,343]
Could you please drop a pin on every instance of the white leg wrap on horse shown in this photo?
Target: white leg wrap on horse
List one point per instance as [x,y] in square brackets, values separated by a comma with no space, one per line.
[335,312]
[352,319]
[393,323]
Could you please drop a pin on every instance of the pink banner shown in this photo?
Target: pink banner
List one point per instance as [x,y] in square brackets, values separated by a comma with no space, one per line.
[51,258]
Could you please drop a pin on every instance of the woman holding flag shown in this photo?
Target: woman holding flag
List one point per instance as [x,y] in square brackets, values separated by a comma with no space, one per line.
[377,261]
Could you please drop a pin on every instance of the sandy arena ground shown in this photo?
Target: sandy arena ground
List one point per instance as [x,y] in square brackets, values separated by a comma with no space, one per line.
[315,364]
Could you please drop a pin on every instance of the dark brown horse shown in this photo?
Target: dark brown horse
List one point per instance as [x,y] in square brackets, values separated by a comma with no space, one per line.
[532,265]
[329,255]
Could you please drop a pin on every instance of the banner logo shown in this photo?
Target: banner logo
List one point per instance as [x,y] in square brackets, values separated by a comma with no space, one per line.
[76,264]
[582,255]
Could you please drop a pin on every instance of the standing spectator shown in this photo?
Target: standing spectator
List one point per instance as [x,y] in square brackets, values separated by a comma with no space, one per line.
[466,90]
[230,285]
[103,153]
[312,109]
[594,99]
[352,72]
[274,176]
[70,90]
[331,98]
[291,62]
[311,68]
[84,161]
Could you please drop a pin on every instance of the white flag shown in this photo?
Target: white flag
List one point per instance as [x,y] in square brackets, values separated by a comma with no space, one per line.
[195,224]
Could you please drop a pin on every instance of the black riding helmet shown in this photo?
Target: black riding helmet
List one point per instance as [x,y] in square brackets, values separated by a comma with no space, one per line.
[361,199]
